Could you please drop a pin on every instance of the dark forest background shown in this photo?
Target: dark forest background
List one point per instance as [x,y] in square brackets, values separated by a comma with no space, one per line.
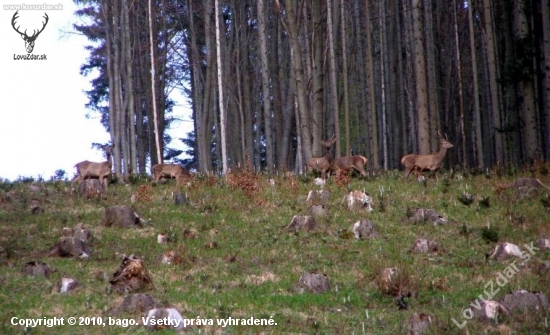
[269,80]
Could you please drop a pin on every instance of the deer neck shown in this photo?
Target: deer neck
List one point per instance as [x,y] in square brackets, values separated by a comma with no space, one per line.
[441,153]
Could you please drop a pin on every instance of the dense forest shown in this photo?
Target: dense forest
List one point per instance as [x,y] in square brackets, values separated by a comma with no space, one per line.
[270,79]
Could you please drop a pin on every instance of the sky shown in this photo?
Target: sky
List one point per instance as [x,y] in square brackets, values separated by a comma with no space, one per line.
[43,124]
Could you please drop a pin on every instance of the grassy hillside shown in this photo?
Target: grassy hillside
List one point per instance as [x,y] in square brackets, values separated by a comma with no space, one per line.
[238,259]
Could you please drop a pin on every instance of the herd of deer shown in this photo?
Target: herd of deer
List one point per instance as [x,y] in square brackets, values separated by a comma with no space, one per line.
[102,171]
[324,165]
[412,163]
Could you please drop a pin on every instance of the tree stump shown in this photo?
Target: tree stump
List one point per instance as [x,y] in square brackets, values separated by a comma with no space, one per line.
[35,269]
[525,302]
[65,285]
[91,188]
[131,276]
[419,324]
[172,314]
[364,229]
[300,222]
[70,247]
[424,246]
[121,216]
[135,303]
[313,282]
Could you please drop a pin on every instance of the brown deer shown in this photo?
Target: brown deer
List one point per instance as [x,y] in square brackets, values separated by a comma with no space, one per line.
[169,171]
[92,170]
[349,163]
[322,164]
[423,163]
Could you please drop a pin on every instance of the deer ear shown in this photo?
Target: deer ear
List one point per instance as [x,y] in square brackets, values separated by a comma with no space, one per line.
[22,36]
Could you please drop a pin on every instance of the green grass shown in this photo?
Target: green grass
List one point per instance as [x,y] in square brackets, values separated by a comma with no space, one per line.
[260,283]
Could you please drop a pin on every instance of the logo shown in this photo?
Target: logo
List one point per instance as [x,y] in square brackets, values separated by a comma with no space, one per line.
[29,40]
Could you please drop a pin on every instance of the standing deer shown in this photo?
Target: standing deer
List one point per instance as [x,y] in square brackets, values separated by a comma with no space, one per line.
[322,164]
[92,170]
[349,163]
[422,163]
[170,171]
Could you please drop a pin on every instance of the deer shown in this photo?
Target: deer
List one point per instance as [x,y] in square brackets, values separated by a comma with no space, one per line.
[92,170]
[349,163]
[322,164]
[29,40]
[423,163]
[170,171]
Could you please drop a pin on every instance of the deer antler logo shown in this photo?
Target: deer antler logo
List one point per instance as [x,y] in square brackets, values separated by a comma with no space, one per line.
[29,40]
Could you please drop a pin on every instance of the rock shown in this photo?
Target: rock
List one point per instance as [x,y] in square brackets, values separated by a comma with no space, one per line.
[542,243]
[419,324]
[318,211]
[319,182]
[357,200]
[70,247]
[364,229]
[524,302]
[313,282]
[420,215]
[162,238]
[135,303]
[424,246]
[36,268]
[79,232]
[318,197]
[505,251]
[300,222]
[65,285]
[488,310]
[121,216]
[180,199]
[171,257]
[528,187]
[171,314]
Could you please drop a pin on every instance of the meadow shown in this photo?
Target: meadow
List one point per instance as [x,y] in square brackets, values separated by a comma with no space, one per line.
[239,260]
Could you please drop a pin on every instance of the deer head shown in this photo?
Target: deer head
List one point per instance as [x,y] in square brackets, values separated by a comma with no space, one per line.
[29,40]
[169,171]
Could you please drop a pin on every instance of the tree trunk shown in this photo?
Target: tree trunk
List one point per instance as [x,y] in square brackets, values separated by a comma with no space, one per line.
[460,91]
[493,84]
[153,84]
[345,76]
[317,79]
[421,84]
[332,76]
[477,111]
[373,124]
[545,94]
[266,94]
[220,90]
[530,131]
[297,62]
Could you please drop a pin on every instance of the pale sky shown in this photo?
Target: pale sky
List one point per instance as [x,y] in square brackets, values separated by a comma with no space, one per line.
[43,125]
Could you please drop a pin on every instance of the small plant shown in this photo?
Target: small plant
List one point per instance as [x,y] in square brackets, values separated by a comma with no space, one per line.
[466,198]
[465,230]
[489,234]
[484,202]
[545,201]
